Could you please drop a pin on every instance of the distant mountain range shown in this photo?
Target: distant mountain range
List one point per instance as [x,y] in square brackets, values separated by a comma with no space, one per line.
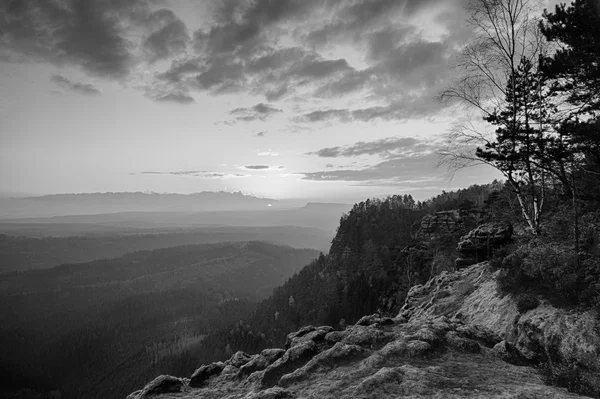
[148,211]
[95,203]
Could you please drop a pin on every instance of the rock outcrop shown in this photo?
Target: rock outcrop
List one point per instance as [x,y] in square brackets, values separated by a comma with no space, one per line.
[451,340]
[479,244]
[440,223]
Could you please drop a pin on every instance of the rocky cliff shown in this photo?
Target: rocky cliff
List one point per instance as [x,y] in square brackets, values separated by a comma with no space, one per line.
[456,337]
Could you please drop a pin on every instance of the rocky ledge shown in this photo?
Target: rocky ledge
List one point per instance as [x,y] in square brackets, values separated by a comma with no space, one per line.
[454,338]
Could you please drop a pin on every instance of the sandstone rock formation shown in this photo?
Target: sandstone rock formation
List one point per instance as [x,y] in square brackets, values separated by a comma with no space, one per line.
[479,243]
[440,223]
[450,340]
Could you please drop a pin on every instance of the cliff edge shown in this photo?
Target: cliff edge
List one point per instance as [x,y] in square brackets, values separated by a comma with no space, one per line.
[455,337]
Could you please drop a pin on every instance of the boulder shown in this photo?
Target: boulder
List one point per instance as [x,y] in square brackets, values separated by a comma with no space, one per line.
[478,245]
[262,361]
[204,373]
[376,320]
[316,335]
[295,357]
[239,359]
[160,385]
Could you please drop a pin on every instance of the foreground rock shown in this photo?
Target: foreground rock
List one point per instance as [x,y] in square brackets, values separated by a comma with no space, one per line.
[565,342]
[454,338]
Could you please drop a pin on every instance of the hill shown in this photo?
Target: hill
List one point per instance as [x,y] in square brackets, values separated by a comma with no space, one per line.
[95,203]
[19,253]
[73,327]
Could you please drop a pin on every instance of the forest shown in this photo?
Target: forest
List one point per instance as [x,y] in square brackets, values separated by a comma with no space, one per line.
[71,328]
[57,244]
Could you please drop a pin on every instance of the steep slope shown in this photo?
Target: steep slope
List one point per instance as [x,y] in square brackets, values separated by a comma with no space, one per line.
[451,340]
[370,265]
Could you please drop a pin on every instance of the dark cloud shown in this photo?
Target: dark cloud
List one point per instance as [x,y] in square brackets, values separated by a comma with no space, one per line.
[401,170]
[240,52]
[388,148]
[238,26]
[197,173]
[256,167]
[413,106]
[81,88]
[261,134]
[354,19]
[89,34]
[169,35]
[407,160]
[243,48]
[258,112]
[342,115]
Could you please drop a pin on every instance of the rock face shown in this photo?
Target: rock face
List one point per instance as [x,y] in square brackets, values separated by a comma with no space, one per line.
[479,243]
[440,223]
[568,342]
[454,338]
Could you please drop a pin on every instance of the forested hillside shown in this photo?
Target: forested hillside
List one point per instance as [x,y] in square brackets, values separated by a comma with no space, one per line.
[375,257]
[23,252]
[72,328]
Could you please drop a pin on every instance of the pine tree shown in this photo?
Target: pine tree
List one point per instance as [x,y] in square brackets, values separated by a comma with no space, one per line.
[519,148]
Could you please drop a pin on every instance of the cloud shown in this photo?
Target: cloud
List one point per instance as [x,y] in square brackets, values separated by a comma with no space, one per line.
[302,51]
[387,148]
[268,153]
[81,88]
[258,112]
[260,134]
[198,173]
[169,36]
[180,98]
[407,161]
[407,107]
[256,167]
[397,171]
[89,34]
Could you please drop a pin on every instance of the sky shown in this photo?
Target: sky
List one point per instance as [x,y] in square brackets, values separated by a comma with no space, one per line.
[333,100]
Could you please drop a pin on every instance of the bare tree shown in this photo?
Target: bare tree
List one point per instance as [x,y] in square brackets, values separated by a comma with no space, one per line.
[498,78]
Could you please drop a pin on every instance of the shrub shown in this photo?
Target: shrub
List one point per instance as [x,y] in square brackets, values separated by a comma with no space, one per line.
[526,301]
[552,270]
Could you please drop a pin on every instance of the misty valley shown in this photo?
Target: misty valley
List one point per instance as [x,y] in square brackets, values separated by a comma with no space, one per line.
[120,297]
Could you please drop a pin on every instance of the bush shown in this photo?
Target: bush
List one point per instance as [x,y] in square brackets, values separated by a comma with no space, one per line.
[526,301]
[554,271]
